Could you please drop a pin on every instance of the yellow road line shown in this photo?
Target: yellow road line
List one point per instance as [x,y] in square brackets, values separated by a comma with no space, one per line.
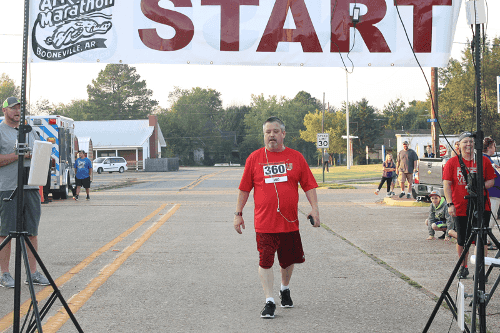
[199,180]
[7,320]
[78,300]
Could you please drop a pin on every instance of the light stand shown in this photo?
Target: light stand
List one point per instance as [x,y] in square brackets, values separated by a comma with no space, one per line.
[20,235]
[480,297]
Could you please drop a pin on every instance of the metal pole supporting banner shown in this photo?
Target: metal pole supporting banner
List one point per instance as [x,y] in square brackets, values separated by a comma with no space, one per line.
[20,174]
[347,120]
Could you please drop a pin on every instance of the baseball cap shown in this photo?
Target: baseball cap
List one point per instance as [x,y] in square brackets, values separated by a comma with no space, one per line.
[435,192]
[405,143]
[10,102]
[464,135]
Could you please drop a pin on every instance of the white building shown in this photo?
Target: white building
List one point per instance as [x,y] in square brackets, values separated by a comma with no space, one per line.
[134,140]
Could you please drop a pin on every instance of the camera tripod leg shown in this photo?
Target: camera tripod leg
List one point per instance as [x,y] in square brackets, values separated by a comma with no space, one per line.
[497,244]
[22,239]
[56,292]
[6,240]
[479,300]
[445,295]
[497,282]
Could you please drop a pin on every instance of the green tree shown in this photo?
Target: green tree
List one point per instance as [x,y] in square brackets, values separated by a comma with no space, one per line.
[290,111]
[334,124]
[78,110]
[41,107]
[400,116]
[118,93]
[195,121]
[233,120]
[363,125]
[457,106]
[305,98]
[8,88]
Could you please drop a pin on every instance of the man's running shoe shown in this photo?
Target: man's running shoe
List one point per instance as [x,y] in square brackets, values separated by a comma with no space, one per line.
[39,279]
[463,272]
[88,198]
[7,281]
[268,311]
[408,196]
[286,300]
[75,197]
[402,194]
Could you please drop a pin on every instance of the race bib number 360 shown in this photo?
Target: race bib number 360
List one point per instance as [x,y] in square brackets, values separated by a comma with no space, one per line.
[275,173]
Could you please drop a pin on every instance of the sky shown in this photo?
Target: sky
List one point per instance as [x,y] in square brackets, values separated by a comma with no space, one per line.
[63,82]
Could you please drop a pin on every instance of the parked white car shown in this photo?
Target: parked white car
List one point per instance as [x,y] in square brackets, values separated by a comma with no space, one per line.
[109,164]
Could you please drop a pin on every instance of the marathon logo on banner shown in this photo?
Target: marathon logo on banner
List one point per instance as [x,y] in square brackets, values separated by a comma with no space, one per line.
[64,28]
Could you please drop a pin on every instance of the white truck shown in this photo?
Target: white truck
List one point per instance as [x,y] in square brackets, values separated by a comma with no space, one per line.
[430,170]
[418,142]
[60,131]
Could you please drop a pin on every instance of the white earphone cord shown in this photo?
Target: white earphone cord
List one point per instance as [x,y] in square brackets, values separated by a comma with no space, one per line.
[278,197]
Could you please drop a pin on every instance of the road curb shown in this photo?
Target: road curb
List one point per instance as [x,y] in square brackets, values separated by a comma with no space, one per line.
[405,203]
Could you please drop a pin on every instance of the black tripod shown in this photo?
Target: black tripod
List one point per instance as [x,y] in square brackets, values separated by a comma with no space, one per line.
[22,240]
[485,297]
[35,321]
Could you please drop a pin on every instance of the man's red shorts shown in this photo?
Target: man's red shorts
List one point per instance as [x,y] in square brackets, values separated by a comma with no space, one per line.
[288,246]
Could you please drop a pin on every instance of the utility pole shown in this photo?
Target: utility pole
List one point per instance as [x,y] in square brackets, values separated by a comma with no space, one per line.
[323,131]
[434,111]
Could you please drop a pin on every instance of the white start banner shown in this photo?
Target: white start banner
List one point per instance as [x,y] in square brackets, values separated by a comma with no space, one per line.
[312,33]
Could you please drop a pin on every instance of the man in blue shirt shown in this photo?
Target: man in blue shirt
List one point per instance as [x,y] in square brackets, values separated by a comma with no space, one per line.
[83,172]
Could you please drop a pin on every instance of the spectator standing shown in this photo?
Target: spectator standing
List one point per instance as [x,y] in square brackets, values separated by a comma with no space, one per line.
[9,130]
[456,149]
[274,172]
[46,187]
[455,182]
[388,168]
[83,172]
[326,161]
[405,164]
[439,218]
[428,152]
[489,149]
[394,182]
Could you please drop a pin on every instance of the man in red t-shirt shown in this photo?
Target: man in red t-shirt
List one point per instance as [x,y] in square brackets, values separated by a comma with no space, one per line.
[455,183]
[274,172]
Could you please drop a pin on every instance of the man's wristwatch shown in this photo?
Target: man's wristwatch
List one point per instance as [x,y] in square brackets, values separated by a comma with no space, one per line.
[450,204]
[238,213]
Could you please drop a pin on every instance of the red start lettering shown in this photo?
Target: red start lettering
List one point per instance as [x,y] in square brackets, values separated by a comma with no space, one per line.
[184,28]
[230,21]
[274,33]
[422,21]
[341,22]
[305,34]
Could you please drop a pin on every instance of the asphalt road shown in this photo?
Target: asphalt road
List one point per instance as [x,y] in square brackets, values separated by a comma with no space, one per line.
[161,255]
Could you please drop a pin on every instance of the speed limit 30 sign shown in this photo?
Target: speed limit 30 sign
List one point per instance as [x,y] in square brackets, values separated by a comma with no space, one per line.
[323,140]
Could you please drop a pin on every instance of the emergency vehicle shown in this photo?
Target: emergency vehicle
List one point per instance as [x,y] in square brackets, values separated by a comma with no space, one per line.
[60,131]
